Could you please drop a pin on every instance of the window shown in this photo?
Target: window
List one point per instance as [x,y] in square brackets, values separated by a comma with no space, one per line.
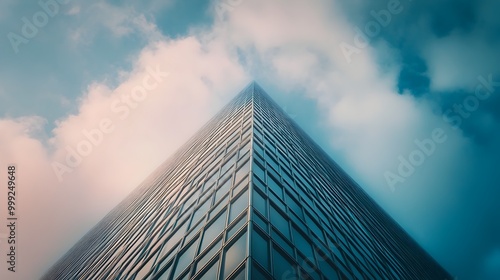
[302,244]
[223,190]
[202,210]
[245,149]
[169,256]
[240,275]
[280,222]
[260,249]
[282,266]
[194,230]
[236,190]
[275,187]
[258,149]
[213,230]
[259,172]
[185,258]
[238,205]
[235,254]
[282,242]
[212,179]
[328,270]
[232,145]
[259,202]
[165,272]
[257,273]
[293,205]
[261,222]
[259,185]
[211,272]
[313,225]
[310,268]
[208,255]
[234,228]
[228,164]
[242,171]
[272,162]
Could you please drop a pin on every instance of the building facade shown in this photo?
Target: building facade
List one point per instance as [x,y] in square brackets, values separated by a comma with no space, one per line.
[250,196]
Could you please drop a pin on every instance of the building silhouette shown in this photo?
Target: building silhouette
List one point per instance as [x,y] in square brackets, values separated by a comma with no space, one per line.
[250,196]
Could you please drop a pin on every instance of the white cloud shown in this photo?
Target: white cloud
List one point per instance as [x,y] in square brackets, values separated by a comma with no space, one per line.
[457,60]
[203,76]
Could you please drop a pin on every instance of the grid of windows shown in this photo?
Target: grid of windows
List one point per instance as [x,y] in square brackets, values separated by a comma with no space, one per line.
[250,196]
[314,218]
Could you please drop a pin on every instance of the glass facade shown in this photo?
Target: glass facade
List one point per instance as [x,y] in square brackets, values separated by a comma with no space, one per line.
[250,196]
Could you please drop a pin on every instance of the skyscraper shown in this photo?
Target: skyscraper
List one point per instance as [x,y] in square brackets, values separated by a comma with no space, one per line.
[250,196]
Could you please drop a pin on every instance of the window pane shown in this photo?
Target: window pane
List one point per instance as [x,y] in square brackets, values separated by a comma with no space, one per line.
[259,172]
[213,230]
[223,190]
[302,244]
[259,185]
[202,210]
[240,275]
[245,149]
[236,227]
[169,257]
[211,273]
[282,267]
[257,273]
[270,160]
[258,149]
[238,206]
[280,222]
[239,187]
[208,255]
[235,254]
[228,164]
[260,249]
[242,171]
[185,259]
[328,270]
[260,221]
[166,272]
[294,205]
[259,203]
[281,242]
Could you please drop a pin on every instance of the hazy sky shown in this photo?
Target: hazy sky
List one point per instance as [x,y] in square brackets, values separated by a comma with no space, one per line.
[403,94]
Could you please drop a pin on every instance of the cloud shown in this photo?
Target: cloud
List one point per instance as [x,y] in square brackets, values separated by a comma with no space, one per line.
[203,75]
[457,60]
[119,21]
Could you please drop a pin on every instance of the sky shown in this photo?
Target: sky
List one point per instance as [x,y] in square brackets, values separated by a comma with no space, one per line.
[402,94]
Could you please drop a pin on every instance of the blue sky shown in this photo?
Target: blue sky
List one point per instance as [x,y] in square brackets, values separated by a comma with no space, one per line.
[371,81]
